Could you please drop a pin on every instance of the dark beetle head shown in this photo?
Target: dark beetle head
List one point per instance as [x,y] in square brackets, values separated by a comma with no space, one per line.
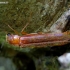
[12,39]
[8,34]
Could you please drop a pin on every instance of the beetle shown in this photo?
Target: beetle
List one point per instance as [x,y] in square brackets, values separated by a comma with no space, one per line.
[39,39]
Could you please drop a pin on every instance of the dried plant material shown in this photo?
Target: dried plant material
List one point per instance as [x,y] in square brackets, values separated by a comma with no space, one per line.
[60,24]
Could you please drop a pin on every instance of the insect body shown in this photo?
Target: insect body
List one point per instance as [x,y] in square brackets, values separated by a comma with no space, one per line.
[39,40]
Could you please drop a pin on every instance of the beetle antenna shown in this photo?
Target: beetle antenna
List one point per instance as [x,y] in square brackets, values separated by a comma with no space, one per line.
[24,27]
[12,29]
[22,31]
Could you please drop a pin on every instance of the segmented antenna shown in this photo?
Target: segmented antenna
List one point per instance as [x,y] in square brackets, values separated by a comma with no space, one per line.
[12,29]
[22,31]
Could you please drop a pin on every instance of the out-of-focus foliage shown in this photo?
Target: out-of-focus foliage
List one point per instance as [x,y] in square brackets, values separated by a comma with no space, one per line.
[18,13]
[39,14]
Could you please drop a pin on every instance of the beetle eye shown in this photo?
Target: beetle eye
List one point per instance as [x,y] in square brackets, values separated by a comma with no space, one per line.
[9,34]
